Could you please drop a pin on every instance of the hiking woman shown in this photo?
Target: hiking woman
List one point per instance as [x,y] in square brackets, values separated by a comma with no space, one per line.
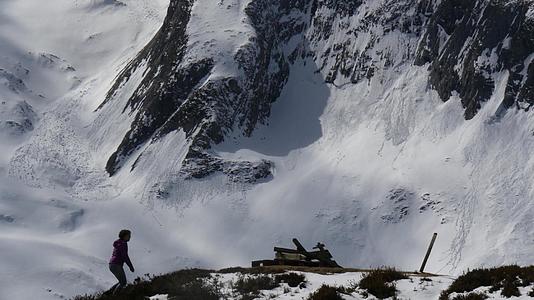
[118,258]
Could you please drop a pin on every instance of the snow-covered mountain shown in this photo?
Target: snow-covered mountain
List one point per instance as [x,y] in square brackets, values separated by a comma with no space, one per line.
[216,128]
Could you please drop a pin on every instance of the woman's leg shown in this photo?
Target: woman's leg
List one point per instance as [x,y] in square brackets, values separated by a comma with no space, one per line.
[118,271]
[111,289]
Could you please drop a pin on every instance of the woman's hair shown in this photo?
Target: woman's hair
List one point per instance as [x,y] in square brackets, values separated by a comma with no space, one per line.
[124,233]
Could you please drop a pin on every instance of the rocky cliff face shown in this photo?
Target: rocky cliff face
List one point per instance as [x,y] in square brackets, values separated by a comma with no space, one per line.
[178,94]
[464,44]
[467,42]
[164,87]
[358,38]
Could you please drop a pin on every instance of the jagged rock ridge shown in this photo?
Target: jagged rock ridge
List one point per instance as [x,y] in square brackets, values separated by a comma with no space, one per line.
[464,44]
[178,95]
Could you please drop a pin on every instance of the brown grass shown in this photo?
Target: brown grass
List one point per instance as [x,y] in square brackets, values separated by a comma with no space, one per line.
[184,284]
[250,286]
[506,278]
[380,282]
[190,283]
[325,292]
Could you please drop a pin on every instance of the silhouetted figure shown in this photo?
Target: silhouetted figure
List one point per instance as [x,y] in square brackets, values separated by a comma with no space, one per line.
[118,258]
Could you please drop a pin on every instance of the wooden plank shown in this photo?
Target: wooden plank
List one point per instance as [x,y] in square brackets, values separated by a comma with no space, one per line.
[299,246]
[285,250]
[289,256]
[434,236]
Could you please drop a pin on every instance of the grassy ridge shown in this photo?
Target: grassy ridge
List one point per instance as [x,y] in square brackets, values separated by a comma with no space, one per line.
[506,279]
[185,284]
[197,284]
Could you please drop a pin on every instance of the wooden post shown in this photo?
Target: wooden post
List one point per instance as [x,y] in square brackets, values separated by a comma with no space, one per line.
[299,246]
[428,252]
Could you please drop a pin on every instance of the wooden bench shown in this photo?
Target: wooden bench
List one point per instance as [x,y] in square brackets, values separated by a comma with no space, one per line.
[300,257]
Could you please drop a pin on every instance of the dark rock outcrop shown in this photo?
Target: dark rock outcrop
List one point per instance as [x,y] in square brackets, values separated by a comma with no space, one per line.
[172,96]
[357,55]
[164,87]
[17,119]
[12,82]
[466,42]
[398,202]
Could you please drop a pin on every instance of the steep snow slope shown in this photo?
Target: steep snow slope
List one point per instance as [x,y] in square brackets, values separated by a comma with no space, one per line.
[323,120]
[52,53]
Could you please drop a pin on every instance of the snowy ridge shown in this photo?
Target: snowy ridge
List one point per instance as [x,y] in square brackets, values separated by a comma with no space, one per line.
[413,288]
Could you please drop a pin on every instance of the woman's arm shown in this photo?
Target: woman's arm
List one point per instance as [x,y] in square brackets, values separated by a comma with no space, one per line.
[126,258]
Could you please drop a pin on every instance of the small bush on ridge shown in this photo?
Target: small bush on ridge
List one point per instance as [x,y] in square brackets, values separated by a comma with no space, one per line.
[471,296]
[506,278]
[292,279]
[380,282]
[252,285]
[325,292]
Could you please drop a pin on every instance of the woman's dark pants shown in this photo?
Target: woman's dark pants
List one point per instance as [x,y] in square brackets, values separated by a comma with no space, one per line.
[118,271]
